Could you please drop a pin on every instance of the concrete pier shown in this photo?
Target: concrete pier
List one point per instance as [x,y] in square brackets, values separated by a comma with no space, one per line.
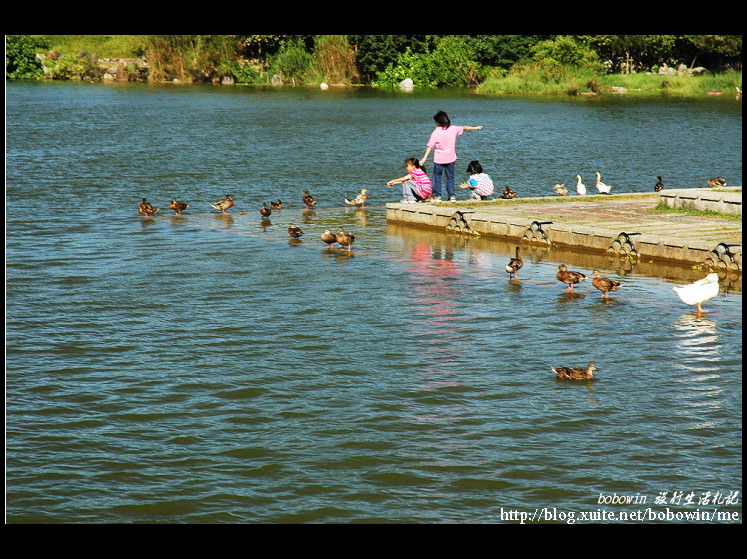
[623,224]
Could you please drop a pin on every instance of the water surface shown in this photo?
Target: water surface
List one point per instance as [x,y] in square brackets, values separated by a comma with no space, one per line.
[209,369]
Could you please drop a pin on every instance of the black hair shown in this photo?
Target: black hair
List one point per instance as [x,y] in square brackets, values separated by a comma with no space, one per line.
[414,161]
[442,119]
[474,168]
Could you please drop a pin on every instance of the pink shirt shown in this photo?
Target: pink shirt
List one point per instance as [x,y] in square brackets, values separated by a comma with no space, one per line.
[422,182]
[443,143]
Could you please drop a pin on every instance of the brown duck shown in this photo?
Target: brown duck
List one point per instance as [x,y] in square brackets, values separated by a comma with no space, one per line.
[604,285]
[329,237]
[308,200]
[569,278]
[178,206]
[575,373]
[224,204]
[514,265]
[146,208]
[294,231]
[345,239]
[265,211]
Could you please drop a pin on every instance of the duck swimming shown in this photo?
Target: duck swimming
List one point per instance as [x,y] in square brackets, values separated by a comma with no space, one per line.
[717,182]
[345,239]
[659,186]
[264,210]
[514,265]
[294,231]
[277,205]
[575,373]
[569,278]
[603,284]
[178,206]
[580,187]
[699,292]
[146,208]
[224,204]
[601,187]
[308,200]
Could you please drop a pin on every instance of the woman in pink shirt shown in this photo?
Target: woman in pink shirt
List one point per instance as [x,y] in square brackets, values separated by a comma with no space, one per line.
[443,144]
[415,184]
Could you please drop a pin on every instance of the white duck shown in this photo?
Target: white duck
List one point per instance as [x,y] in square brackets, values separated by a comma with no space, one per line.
[698,292]
[601,187]
[580,187]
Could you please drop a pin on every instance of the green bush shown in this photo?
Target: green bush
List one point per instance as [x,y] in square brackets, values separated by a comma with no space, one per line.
[20,57]
[292,62]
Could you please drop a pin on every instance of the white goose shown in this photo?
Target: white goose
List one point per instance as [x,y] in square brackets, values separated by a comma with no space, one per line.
[580,187]
[601,187]
[698,292]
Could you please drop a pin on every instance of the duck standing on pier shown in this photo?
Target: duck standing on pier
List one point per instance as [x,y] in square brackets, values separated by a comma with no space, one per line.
[508,194]
[659,186]
[717,182]
[580,187]
[575,373]
[601,187]
[568,277]
[514,265]
[560,189]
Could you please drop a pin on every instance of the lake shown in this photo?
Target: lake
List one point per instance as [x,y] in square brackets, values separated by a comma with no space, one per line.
[209,369]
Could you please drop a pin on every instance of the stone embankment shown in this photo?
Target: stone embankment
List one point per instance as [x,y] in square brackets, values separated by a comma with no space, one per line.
[622,224]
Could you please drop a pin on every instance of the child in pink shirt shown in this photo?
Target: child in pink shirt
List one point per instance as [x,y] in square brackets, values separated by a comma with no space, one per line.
[415,184]
[443,143]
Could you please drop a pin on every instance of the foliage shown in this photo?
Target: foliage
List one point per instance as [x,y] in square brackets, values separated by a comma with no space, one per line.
[20,57]
[335,59]
[564,51]
[451,63]
[374,53]
[190,57]
[293,62]
[74,67]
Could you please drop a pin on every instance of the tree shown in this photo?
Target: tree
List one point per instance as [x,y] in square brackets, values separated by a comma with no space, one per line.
[21,61]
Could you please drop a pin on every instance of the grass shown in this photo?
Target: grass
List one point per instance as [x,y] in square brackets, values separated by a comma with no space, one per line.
[697,213]
[104,46]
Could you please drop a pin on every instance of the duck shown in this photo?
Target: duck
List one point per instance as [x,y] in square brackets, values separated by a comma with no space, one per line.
[345,239]
[224,204]
[264,210]
[508,194]
[359,200]
[659,186]
[560,189]
[570,278]
[329,237]
[699,292]
[601,187]
[580,186]
[308,200]
[294,231]
[575,373]
[178,206]
[514,265]
[717,182]
[146,208]
[603,284]
[277,205]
